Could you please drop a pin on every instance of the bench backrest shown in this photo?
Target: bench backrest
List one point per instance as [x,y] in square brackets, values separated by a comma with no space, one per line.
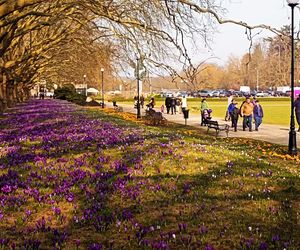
[213,123]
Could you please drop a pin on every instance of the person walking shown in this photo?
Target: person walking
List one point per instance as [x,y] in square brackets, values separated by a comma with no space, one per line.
[230,110]
[227,115]
[235,116]
[203,107]
[173,105]
[246,112]
[168,104]
[184,103]
[135,101]
[297,111]
[258,114]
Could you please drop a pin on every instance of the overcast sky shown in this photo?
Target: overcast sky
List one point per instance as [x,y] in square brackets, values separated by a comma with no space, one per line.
[231,39]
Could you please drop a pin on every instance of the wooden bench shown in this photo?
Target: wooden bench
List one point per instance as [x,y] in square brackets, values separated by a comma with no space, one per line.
[218,127]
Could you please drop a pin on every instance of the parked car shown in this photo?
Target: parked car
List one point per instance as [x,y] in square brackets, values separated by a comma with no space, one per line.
[261,94]
[279,93]
[205,93]
[181,93]
[215,93]
[238,94]
[224,93]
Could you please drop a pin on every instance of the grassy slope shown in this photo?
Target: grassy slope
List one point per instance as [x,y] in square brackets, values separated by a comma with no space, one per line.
[181,188]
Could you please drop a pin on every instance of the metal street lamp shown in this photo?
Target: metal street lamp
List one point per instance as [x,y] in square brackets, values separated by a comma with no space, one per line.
[292,133]
[138,106]
[84,84]
[102,91]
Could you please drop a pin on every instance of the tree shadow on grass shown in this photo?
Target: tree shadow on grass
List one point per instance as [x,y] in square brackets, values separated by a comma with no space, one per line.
[117,208]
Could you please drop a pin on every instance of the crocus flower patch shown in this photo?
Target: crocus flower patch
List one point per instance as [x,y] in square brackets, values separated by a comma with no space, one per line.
[75,178]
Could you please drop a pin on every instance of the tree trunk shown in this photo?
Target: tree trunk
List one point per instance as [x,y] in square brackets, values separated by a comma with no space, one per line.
[3,104]
[15,92]
[9,93]
[21,93]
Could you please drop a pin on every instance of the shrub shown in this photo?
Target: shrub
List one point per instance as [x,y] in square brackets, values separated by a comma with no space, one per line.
[68,92]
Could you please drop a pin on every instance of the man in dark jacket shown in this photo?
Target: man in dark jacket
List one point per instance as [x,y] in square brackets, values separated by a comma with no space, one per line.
[173,106]
[168,104]
[234,116]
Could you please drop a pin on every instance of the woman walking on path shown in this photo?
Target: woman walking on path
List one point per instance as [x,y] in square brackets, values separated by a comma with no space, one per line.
[204,106]
[258,114]
[184,103]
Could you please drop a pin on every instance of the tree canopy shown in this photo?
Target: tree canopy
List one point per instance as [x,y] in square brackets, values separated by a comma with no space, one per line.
[62,40]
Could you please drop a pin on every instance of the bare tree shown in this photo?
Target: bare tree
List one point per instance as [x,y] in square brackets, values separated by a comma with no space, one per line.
[51,39]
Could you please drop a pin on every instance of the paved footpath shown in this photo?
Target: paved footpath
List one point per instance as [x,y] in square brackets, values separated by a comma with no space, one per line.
[271,133]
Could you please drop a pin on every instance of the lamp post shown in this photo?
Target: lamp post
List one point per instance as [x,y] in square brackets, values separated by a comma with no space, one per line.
[102,91]
[84,84]
[138,106]
[292,133]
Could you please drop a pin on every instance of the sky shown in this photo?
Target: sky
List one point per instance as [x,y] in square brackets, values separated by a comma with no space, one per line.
[231,39]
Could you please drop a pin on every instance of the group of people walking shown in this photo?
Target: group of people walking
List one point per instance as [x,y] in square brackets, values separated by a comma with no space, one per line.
[172,105]
[175,105]
[249,110]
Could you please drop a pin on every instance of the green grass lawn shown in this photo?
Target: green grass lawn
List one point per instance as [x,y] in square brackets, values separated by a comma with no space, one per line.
[276,110]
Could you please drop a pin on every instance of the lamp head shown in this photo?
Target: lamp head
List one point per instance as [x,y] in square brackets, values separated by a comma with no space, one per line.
[84,76]
[102,69]
[292,3]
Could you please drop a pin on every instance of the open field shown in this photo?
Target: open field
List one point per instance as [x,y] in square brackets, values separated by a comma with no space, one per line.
[277,110]
[74,178]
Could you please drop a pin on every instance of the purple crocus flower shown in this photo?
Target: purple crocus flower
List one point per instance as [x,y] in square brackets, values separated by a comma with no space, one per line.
[203,229]
[70,197]
[56,210]
[209,247]
[275,238]
[263,246]
[6,189]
